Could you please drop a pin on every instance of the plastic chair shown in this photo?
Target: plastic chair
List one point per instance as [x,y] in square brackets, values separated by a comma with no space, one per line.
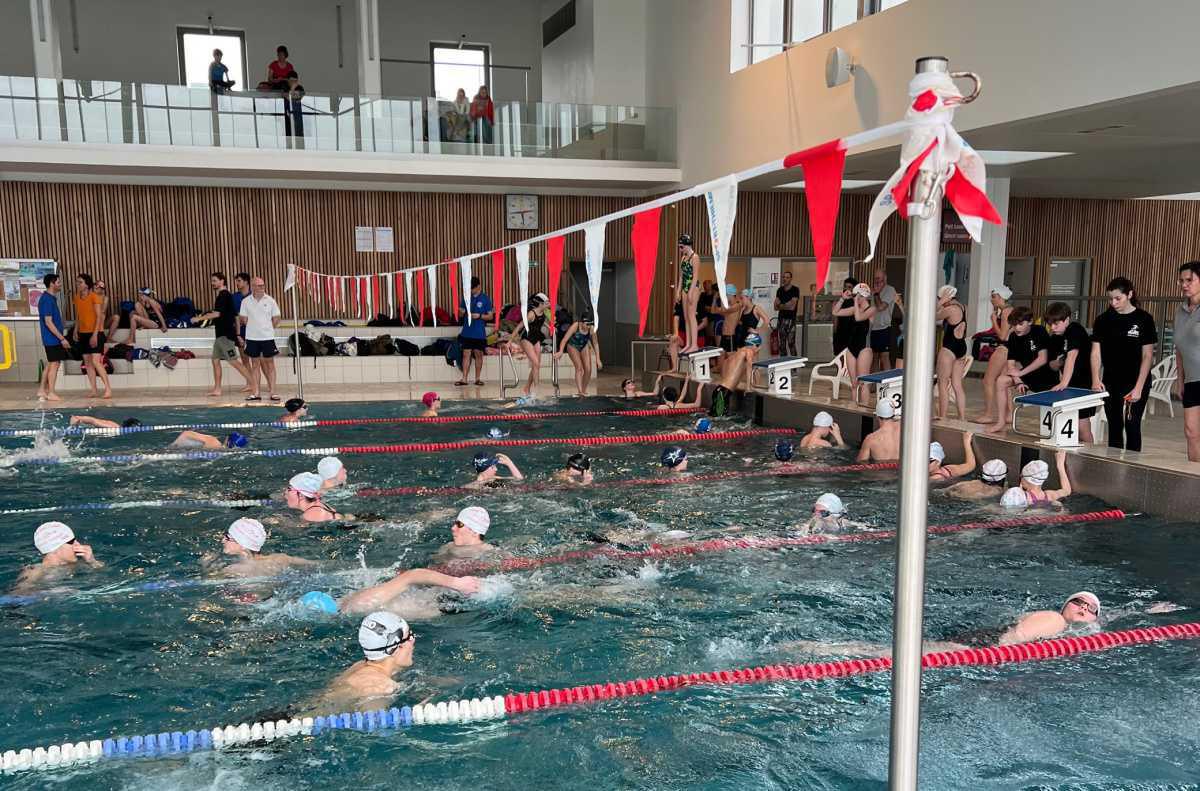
[837,379]
[1164,374]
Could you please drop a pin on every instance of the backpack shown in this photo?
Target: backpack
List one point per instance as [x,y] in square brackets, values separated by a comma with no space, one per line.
[362,348]
[436,349]
[121,351]
[407,348]
[179,312]
[347,349]
[381,345]
[722,402]
[454,353]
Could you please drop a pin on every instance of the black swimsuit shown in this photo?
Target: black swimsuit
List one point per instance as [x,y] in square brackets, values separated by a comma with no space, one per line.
[958,346]
[536,334]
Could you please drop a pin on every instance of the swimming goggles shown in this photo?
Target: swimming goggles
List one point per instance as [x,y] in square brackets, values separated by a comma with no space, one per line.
[1086,605]
[394,640]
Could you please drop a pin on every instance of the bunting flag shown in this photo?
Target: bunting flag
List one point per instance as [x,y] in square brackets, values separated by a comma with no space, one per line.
[593,243]
[498,282]
[464,265]
[408,294]
[822,167]
[523,282]
[644,240]
[721,202]
[316,287]
[399,314]
[452,271]
[388,286]
[420,297]
[342,303]
[431,274]
[290,281]
[364,298]
[554,262]
[376,304]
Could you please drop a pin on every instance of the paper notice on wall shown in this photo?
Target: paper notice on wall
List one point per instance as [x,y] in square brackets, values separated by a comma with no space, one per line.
[364,239]
[35,294]
[28,273]
[12,288]
[10,265]
[385,240]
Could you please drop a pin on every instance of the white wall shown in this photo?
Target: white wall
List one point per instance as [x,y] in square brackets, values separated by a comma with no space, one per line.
[16,38]
[512,28]
[620,52]
[568,63]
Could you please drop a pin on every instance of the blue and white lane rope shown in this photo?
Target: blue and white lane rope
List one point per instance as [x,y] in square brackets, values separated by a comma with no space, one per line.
[180,742]
[96,431]
[118,506]
[193,455]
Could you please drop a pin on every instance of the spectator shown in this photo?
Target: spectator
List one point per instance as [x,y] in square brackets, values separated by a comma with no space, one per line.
[951,357]
[1027,367]
[260,314]
[787,301]
[458,119]
[1123,339]
[218,74]
[89,332]
[53,337]
[241,290]
[225,344]
[474,332]
[884,301]
[278,71]
[1187,355]
[842,312]
[483,115]
[1071,355]
[703,312]
[140,317]
[1001,311]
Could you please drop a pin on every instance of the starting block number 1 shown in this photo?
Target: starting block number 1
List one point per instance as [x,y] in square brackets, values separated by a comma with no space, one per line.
[700,370]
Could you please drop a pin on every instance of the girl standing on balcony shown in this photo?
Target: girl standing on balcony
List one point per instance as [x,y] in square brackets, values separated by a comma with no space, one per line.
[483,115]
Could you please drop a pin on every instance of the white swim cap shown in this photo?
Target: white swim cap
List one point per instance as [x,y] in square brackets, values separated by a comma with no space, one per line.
[823,420]
[307,483]
[947,292]
[381,633]
[884,410]
[1014,498]
[475,519]
[1036,472]
[862,290]
[329,467]
[1004,292]
[937,452]
[51,535]
[831,503]
[994,471]
[1088,597]
[249,533]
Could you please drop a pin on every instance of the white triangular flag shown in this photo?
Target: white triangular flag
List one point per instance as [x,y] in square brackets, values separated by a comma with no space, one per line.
[593,243]
[431,279]
[290,282]
[391,294]
[721,202]
[523,281]
[408,303]
[464,276]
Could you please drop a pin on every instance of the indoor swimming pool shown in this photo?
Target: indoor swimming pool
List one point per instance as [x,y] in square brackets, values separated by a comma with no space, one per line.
[148,643]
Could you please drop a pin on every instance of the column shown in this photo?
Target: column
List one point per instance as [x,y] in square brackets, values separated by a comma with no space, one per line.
[987,261]
[47,57]
[370,75]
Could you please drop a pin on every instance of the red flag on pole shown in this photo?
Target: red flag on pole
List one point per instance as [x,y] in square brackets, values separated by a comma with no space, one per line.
[497,282]
[645,258]
[554,262]
[822,166]
[455,294]
[420,297]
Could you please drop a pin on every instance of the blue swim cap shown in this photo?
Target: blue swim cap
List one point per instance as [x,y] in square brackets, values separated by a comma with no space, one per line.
[730,290]
[236,440]
[703,425]
[495,432]
[784,450]
[673,456]
[483,461]
[319,601]
[753,339]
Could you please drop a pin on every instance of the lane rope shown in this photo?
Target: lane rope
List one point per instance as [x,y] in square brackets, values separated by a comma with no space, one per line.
[174,743]
[408,447]
[118,506]
[95,431]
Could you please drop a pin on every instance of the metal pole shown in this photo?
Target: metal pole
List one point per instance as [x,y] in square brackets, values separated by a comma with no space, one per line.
[298,360]
[923,243]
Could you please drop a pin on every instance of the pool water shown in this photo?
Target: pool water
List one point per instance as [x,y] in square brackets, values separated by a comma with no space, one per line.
[100,657]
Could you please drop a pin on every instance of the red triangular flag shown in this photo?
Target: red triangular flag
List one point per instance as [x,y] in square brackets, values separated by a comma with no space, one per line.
[364,307]
[823,166]
[901,190]
[375,294]
[420,287]
[645,258]
[400,306]
[554,262]
[455,294]
[497,282]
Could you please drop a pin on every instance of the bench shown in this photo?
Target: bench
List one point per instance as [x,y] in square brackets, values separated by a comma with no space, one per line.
[700,362]
[1058,423]
[780,373]
[889,386]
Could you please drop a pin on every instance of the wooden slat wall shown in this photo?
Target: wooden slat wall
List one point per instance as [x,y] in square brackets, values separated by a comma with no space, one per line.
[173,237]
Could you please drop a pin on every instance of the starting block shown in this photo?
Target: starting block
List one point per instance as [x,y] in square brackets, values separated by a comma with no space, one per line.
[700,363]
[889,386]
[780,373]
[1058,423]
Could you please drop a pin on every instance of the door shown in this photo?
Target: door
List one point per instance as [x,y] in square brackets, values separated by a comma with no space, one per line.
[1018,275]
[1070,279]
[606,335]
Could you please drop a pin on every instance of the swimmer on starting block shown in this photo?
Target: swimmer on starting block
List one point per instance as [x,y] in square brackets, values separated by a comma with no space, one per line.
[823,427]
[938,471]
[243,542]
[467,532]
[194,440]
[882,444]
[62,553]
[577,471]
[332,472]
[294,409]
[487,471]
[304,495]
[992,478]
[99,422]
[432,402]
[1033,475]
[387,643]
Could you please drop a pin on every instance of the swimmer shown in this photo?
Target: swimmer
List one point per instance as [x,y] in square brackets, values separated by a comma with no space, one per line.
[304,495]
[243,542]
[829,516]
[882,444]
[61,553]
[675,459]
[823,426]
[671,398]
[577,471]
[194,440]
[332,472]
[990,483]
[389,595]
[294,409]
[703,426]
[487,471]
[629,389]
[432,402]
[938,471]
[467,532]
[785,450]
[495,432]
[387,643]
[1033,475]
[737,366]
[99,422]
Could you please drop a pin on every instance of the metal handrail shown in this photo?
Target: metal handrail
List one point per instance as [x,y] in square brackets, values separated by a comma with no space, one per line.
[506,354]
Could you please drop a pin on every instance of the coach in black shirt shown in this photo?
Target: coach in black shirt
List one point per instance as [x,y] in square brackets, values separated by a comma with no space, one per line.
[1122,352]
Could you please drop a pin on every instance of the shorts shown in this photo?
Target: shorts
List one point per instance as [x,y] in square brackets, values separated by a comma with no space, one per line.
[1191,394]
[224,349]
[473,344]
[83,344]
[261,348]
[1040,380]
[881,340]
[56,353]
[727,343]
[1087,414]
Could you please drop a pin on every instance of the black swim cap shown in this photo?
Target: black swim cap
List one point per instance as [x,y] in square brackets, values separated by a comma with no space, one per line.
[131,423]
[578,461]
[685,239]
[670,395]
[294,404]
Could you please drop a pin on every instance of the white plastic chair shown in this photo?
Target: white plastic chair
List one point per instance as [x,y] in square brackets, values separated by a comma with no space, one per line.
[1164,375]
[837,379]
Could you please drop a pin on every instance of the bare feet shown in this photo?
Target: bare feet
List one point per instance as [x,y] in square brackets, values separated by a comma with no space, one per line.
[214,392]
[92,394]
[107,394]
[52,397]
[246,389]
[995,428]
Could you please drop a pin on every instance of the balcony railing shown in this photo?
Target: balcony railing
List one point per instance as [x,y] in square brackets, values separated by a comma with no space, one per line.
[95,111]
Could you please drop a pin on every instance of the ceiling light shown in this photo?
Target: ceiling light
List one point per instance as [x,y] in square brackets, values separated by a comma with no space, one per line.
[1017,157]
[847,184]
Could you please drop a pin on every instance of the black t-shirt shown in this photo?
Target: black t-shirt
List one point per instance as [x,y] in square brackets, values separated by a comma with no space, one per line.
[843,326]
[226,323]
[1074,339]
[785,295]
[1121,338]
[1023,349]
[704,304]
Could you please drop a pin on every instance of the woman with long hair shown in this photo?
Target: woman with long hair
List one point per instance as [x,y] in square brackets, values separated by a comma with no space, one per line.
[533,338]
[1001,327]
[483,115]
[1123,340]
[951,357]
[687,291]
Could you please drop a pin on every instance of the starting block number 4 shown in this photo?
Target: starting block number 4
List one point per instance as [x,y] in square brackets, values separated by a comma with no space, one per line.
[1060,428]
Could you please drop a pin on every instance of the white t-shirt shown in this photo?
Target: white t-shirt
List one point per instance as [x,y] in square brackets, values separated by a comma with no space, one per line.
[883,318]
[258,314]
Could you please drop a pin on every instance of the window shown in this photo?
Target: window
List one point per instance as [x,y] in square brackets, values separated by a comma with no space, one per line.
[196,47]
[455,67]
[762,28]
[766,28]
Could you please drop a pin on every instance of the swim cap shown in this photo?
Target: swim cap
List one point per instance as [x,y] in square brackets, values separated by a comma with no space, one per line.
[146,291]
[475,519]
[947,292]
[294,404]
[784,450]
[937,452]
[703,425]
[51,535]
[236,440]
[495,432]
[670,395]
[1036,472]
[685,239]
[307,483]
[249,533]
[1014,498]
[746,292]
[626,383]
[823,420]
[329,467]
[1088,597]
[483,461]
[1004,292]
[131,423]
[730,290]
[754,339]
[320,601]
[578,461]
[381,633]
[994,471]
[587,318]
[832,503]
[884,411]
[429,398]
[862,290]
[540,299]
[673,456]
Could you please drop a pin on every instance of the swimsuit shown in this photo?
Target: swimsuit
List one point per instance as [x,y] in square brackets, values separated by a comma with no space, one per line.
[536,334]
[1032,499]
[580,340]
[942,472]
[958,346]
[686,274]
[858,337]
[326,508]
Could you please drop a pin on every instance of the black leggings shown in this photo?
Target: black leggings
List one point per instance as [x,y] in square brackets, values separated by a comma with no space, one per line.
[787,336]
[1125,432]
